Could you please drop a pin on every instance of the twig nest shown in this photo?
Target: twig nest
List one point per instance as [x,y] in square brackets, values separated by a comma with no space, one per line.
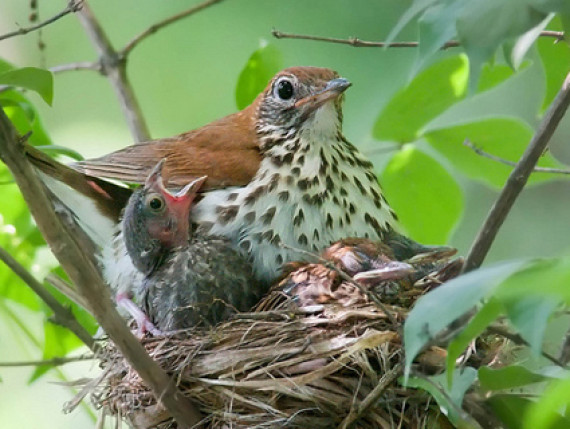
[298,367]
[312,366]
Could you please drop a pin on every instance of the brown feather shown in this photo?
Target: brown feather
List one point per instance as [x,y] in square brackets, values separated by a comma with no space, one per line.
[108,197]
[225,150]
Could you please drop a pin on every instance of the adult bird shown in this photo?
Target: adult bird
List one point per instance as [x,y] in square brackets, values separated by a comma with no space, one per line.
[281,176]
[188,278]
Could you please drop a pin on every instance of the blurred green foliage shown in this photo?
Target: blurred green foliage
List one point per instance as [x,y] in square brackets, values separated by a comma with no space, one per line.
[492,91]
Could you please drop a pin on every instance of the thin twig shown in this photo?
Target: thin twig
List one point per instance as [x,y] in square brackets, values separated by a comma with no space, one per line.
[387,379]
[518,178]
[484,154]
[61,315]
[83,272]
[165,22]
[72,7]
[517,339]
[114,67]
[358,43]
[348,279]
[66,289]
[82,65]
[56,361]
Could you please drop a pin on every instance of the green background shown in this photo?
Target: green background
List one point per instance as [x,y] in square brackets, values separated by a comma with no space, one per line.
[186,75]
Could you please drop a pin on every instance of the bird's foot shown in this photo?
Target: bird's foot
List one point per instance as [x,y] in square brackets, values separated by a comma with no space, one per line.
[142,321]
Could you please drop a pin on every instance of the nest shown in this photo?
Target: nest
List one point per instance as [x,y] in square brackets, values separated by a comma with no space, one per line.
[315,367]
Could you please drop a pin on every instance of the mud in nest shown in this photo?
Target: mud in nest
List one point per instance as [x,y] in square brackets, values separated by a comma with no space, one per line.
[321,366]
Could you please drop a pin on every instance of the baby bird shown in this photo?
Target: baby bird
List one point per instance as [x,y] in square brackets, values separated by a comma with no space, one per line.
[189,279]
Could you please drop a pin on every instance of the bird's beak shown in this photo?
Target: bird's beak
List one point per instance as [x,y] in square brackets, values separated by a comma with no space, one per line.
[332,90]
[191,189]
[154,179]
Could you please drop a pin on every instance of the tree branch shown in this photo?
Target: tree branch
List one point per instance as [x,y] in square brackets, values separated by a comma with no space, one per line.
[83,272]
[358,43]
[490,156]
[72,7]
[62,315]
[59,284]
[518,178]
[114,68]
[84,65]
[165,22]
[56,361]
[387,379]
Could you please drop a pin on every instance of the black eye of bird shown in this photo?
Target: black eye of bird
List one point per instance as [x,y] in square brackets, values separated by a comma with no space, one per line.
[156,204]
[284,89]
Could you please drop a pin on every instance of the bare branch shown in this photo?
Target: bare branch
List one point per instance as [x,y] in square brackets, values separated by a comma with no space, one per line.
[161,24]
[85,65]
[355,41]
[83,272]
[518,178]
[66,289]
[62,316]
[72,6]
[387,379]
[115,69]
[487,155]
[56,361]
[358,43]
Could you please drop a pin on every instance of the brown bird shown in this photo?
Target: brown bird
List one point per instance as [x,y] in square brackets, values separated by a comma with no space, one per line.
[188,278]
[281,176]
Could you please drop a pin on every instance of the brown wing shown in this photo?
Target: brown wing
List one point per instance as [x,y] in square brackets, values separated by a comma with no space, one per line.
[226,151]
[108,197]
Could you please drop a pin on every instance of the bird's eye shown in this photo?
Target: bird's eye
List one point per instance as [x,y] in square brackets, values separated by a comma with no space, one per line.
[155,203]
[284,89]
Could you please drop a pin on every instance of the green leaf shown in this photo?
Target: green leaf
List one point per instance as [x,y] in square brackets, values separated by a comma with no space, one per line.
[449,400]
[450,301]
[35,79]
[540,279]
[428,95]
[258,71]
[417,7]
[544,413]
[487,314]
[55,150]
[556,60]
[493,75]
[484,25]
[58,342]
[24,117]
[504,138]
[529,315]
[516,51]
[413,179]
[508,377]
[517,98]
[436,27]
[512,411]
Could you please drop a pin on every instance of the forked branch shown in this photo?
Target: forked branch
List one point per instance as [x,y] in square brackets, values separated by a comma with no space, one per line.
[518,178]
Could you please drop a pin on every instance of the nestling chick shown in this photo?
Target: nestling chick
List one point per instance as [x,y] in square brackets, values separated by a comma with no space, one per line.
[189,278]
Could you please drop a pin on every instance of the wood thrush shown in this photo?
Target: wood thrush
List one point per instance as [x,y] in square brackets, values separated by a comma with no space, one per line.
[188,278]
[280,176]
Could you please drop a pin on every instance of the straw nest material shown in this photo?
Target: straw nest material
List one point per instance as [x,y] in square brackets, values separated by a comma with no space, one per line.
[315,367]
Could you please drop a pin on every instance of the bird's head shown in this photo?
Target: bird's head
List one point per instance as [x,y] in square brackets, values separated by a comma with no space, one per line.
[156,220]
[302,99]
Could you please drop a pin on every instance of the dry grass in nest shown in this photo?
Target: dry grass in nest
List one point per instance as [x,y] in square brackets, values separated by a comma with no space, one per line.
[326,366]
